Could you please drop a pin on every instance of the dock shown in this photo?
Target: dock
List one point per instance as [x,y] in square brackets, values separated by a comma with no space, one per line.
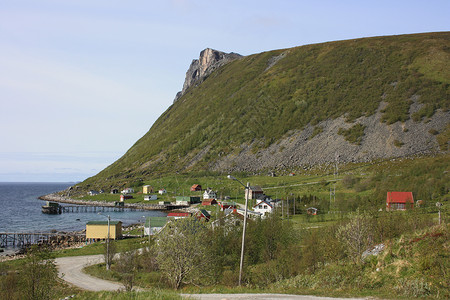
[24,239]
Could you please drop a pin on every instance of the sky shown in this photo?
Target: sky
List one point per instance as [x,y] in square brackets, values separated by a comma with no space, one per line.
[82,81]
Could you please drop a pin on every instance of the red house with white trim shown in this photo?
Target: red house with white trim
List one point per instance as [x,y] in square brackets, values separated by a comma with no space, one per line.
[399,201]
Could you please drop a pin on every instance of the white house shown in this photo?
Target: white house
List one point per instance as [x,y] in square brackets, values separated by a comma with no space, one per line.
[209,194]
[162,191]
[150,197]
[263,206]
[128,191]
[92,193]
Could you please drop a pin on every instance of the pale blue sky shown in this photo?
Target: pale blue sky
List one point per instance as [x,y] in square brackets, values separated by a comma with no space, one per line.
[81,81]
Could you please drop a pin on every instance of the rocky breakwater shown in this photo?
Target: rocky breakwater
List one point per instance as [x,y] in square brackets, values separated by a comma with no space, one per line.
[209,61]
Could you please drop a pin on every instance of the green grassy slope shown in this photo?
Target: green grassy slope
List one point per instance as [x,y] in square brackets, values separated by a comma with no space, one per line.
[251,100]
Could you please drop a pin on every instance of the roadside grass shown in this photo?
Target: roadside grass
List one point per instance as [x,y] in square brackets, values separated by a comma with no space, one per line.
[99,247]
[154,294]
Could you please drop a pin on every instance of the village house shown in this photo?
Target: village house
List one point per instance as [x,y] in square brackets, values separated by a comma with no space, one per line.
[154,225]
[196,188]
[254,192]
[227,205]
[209,202]
[147,189]
[162,191]
[399,201]
[127,191]
[92,193]
[186,200]
[229,221]
[209,194]
[263,206]
[150,197]
[98,230]
[114,191]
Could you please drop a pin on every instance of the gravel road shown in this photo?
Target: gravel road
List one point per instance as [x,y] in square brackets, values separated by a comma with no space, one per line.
[70,269]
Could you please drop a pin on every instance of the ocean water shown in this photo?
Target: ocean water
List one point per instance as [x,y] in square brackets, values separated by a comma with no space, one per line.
[20,210]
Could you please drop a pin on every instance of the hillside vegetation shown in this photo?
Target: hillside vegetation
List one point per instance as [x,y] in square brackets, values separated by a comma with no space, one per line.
[257,102]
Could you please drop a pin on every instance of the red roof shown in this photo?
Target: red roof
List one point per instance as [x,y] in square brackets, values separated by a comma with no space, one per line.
[178,215]
[196,187]
[399,197]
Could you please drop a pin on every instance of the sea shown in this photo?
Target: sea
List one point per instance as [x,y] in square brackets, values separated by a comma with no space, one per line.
[20,210]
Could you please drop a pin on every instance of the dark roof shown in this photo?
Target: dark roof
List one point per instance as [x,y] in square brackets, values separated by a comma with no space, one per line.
[256,188]
[103,223]
[205,213]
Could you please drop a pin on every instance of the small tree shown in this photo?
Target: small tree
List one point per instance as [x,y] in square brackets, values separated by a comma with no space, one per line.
[182,251]
[356,235]
[127,265]
[38,275]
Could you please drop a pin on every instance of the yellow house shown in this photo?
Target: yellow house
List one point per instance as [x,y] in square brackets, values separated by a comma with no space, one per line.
[99,230]
[147,189]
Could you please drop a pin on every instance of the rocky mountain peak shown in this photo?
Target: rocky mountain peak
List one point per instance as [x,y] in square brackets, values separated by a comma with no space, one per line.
[208,61]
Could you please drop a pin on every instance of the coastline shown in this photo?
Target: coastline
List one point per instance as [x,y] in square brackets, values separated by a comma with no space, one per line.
[54,197]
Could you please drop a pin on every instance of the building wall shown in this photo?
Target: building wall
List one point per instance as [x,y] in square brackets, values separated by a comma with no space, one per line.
[101,231]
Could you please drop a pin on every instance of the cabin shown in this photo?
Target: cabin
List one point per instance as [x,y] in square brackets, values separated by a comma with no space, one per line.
[209,202]
[128,191]
[203,215]
[176,216]
[125,197]
[196,188]
[150,197]
[254,192]
[154,225]
[114,191]
[147,189]
[209,194]
[162,191]
[98,230]
[399,201]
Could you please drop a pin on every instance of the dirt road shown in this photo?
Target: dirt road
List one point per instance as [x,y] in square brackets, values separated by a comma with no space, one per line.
[70,269]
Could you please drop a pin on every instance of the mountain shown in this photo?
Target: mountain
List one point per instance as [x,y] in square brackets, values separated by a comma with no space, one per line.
[347,101]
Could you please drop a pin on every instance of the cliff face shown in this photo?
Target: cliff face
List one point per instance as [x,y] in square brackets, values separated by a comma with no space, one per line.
[209,61]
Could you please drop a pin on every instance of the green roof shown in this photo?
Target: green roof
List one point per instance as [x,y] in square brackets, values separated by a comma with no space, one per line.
[156,221]
[103,222]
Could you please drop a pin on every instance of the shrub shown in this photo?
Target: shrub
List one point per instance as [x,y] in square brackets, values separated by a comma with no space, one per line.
[354,134]
[398,143]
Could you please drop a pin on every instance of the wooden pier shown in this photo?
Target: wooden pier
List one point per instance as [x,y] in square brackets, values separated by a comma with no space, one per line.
[25,239]
[93,209]
[109,208]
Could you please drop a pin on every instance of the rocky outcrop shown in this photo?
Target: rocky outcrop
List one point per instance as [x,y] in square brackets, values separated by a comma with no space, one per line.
[209,61]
